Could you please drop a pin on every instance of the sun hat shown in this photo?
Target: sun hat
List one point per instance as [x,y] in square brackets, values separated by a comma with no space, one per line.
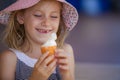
[69,12]
[6,3]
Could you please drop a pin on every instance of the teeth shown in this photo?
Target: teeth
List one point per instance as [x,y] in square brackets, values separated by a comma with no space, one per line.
[43,31]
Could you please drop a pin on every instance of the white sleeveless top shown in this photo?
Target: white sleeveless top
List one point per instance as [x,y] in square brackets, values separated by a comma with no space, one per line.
[25,66]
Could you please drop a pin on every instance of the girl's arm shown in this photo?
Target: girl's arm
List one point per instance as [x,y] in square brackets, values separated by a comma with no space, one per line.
[66,63]
[7,65]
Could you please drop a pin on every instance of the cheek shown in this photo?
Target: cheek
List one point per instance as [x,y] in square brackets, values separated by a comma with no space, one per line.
[56,25]
[31,23]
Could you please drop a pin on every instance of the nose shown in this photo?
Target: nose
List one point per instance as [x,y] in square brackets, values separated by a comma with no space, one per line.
[45,22]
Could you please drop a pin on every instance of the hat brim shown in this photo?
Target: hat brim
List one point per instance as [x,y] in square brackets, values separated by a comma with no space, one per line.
[70,15]
[69,12]
[5,3]
[20,5]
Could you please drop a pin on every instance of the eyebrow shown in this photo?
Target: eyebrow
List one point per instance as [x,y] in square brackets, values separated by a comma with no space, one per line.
[52,11]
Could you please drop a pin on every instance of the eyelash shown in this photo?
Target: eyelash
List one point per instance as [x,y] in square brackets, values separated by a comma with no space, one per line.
[54,16]
[38,15]
[41,16]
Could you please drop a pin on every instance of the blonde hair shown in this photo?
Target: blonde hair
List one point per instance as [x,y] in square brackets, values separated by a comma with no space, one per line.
[62,33]
[15,32]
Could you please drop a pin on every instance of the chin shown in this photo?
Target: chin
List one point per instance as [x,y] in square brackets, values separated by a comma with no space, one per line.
[42,41]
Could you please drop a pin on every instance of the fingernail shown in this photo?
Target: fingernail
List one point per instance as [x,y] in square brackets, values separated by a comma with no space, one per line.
[55,54]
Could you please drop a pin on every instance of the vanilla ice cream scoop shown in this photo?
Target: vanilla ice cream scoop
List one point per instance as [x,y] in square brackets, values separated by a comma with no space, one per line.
[51,41]
[50,45]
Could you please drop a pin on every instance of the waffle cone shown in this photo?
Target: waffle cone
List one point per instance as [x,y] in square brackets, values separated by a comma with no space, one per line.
[50,49]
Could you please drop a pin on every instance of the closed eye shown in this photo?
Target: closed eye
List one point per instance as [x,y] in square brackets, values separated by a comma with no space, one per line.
[38,15]
[54,17]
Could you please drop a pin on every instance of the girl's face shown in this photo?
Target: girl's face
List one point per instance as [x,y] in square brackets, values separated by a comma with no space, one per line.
[41,20]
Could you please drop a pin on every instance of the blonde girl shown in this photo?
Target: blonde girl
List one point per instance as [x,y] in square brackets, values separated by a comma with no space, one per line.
[29,25]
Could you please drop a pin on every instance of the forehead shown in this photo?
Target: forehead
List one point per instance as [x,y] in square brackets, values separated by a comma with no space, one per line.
[47,5]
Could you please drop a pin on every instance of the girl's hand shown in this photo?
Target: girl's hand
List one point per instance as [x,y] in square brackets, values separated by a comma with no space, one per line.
[65,61]
[44,67]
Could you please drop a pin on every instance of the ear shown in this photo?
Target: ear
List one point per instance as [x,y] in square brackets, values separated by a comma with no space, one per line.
[20,18]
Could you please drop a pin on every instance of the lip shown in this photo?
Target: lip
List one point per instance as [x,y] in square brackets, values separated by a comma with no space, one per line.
[44,31]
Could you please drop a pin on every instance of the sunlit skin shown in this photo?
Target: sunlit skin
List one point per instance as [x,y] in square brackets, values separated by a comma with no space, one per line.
[40,21]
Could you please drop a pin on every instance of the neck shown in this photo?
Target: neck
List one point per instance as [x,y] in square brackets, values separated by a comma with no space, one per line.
[31,49]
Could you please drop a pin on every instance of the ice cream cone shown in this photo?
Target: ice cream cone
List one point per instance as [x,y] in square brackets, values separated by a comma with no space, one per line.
[50,45]
[50,49]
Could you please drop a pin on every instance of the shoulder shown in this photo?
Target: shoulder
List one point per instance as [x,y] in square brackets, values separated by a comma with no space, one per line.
[7,57]
[8,54]
[8,62]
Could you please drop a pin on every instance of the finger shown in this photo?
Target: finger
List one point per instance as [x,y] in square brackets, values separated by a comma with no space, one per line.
[52,65]
[50,71]
[53,69]
[64,67]
[42,57]
[59,50]
[63,61]
[61,55]
[47,61]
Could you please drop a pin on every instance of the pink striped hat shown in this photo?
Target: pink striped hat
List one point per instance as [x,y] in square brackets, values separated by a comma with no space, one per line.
[69,13]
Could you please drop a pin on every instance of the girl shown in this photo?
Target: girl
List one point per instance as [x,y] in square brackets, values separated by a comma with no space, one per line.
[30,23]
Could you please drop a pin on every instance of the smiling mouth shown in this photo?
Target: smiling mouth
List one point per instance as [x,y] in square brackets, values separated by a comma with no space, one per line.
[43,31]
